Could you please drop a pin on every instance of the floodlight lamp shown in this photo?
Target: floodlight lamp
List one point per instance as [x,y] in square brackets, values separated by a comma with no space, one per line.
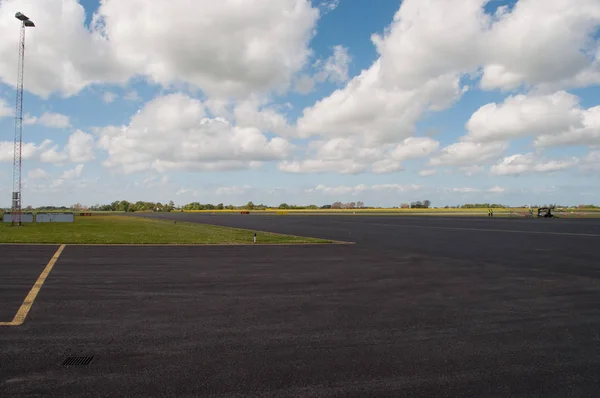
[21,17]
[29,23]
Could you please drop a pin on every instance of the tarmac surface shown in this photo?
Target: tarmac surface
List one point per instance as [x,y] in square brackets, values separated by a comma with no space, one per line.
[418,306]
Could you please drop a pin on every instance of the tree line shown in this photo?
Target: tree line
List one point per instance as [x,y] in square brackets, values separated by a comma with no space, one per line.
[126,206]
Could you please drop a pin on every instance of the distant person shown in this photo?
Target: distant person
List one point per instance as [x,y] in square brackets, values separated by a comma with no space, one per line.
[490,212]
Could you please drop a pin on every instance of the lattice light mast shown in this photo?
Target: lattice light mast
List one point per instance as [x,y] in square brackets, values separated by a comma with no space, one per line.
[16,194]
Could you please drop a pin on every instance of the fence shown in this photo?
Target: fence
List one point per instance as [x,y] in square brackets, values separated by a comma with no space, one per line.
[25,217]
[54,217]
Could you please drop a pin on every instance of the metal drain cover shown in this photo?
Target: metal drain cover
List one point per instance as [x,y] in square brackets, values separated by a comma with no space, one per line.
[77,361]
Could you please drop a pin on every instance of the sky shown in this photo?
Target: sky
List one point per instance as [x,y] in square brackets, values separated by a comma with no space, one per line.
[304,102]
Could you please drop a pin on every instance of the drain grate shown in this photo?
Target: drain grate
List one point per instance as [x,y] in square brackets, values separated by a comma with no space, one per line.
[77,361]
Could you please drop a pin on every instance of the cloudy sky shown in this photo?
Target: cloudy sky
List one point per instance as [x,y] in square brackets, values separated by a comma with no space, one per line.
[304,101]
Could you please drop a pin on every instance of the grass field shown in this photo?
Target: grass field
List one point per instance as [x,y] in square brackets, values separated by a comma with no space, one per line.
[111,229]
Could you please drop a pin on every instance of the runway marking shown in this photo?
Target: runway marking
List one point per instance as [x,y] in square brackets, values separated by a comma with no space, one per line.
[28,302]
[480,229]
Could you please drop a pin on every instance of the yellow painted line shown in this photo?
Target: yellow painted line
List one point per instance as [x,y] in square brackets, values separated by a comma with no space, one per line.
[478,229]
[28,302]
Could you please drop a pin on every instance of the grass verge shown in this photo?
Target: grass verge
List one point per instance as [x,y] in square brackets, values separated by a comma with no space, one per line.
[136,230]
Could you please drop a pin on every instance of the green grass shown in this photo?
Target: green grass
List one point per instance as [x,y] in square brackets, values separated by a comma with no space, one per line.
[136,230]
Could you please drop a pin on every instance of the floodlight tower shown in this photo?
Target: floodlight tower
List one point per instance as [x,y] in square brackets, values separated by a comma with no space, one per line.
[16,194]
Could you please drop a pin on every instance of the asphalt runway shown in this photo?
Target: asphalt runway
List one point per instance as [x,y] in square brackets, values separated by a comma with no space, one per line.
[417,307]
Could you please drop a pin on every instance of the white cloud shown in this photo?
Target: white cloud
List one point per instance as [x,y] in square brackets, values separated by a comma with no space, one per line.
[65,58]
[463,190]
[253,46]
[553,120]
[330,5]
[553,55]
[48,119]
[322,166]
[340,190]
[432,43]
[468,154]
[530,163]
[37,174]
[73,173]
[5,110]
[232,190]
[362,188]
[132,95]
[334,69]
[109,97]
[29,150]
[80,147]
[496,189]
[427,172]
[586,132]
[591,162]
[55,120]
[369,109]
[52,154]
[396,187]
[173,133]
[525,115]
[353,156]
[253,114]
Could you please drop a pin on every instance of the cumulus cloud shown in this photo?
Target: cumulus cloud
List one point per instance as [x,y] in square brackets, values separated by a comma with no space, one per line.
[29,150]
[173,133]
[354,156]
[523,115]
[334,69]
[468,154]
[339,190]
[463,190]
[49,119]
[80,147]
[253,46]
[559,50]
[37,174]
[232,190]
[109,97]
[552,119]
[591,162]
[252,113]
[496,189]
[431,44]
[5,110]
[427,172]
[132,95]
[73,173]
[530,163]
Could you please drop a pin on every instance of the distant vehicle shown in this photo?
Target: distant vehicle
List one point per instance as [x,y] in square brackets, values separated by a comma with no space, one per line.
[545,212]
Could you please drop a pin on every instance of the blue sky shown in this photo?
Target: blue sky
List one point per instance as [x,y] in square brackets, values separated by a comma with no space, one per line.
[304,102]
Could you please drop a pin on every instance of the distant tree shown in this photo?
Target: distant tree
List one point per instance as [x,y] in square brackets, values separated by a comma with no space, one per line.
[337,205]
[326,207]
[284,206]
[416,205]
[360,204]
[426,204]
[250,206]
[220,206]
